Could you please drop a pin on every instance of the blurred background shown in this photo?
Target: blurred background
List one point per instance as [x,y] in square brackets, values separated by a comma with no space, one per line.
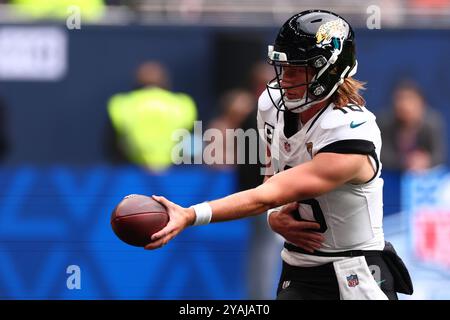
[92,91]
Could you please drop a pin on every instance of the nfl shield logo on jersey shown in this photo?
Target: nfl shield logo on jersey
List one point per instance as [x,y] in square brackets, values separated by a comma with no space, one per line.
[352,280]
[287,146]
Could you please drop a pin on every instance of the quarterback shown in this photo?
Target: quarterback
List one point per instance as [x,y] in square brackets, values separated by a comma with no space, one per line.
[323,172]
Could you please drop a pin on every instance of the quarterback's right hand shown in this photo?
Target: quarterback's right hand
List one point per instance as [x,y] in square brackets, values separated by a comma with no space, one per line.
[297,232]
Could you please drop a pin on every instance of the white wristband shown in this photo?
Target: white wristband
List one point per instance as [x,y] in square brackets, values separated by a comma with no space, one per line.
[270,211]
[203,213]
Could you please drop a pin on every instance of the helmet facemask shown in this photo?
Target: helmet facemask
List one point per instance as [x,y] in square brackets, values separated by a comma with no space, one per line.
[313,90]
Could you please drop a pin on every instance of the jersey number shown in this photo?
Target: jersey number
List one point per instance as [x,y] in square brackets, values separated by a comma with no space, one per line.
[316,209]
[350,107]
[317,212]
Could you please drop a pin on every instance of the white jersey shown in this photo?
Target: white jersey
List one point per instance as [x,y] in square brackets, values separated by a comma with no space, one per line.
[351,215]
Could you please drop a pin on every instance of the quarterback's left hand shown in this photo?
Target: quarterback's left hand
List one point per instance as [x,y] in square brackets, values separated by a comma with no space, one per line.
[300,233]
[179,219]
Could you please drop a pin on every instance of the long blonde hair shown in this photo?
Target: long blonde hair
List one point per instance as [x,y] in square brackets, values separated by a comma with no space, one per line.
[349,92]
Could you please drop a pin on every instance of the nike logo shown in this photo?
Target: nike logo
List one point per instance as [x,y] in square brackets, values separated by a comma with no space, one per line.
[355,125]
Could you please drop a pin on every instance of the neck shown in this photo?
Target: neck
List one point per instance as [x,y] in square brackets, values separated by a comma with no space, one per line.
[305,116]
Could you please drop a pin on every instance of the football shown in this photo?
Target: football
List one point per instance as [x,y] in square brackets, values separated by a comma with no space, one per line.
[136,218]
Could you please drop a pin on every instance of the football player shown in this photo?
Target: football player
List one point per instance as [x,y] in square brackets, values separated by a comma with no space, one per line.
[324,171]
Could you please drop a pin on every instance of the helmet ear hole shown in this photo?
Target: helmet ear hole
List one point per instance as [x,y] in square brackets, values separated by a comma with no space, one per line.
[320,62]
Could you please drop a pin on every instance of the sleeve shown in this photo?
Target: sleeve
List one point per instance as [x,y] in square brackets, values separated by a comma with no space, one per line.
[351,133]
[350,146]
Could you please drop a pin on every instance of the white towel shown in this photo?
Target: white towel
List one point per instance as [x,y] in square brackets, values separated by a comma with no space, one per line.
[356,281]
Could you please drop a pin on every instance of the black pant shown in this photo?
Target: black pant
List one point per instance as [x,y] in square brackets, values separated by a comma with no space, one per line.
[320,283]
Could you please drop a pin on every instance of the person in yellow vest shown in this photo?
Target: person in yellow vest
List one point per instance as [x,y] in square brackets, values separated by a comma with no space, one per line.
[90,10]
[145,119]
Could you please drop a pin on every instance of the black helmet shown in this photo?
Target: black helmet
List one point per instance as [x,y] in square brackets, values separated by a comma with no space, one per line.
[318,39]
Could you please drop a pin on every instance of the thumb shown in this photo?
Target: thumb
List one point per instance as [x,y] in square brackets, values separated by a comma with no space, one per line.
[163,232]
[290,207]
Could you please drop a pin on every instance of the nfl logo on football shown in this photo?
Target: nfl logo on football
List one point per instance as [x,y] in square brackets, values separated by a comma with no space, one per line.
[352,280]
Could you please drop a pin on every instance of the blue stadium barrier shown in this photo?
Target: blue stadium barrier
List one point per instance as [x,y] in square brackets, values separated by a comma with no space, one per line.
[55,217]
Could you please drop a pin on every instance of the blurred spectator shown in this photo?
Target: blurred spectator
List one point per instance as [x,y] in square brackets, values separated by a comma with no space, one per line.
[412,132]
[145,119]
[260,74]
[235,106]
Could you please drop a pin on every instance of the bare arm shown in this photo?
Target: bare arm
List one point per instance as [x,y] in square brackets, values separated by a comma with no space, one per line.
[324,173]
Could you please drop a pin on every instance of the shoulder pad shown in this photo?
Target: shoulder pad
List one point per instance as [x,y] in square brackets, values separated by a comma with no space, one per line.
[337,118]
[265,100]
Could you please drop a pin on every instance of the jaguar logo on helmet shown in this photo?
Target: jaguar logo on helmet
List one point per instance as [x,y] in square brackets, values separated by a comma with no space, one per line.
[333,32]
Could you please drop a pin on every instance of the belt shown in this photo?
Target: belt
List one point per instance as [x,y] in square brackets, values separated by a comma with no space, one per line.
[349,253]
